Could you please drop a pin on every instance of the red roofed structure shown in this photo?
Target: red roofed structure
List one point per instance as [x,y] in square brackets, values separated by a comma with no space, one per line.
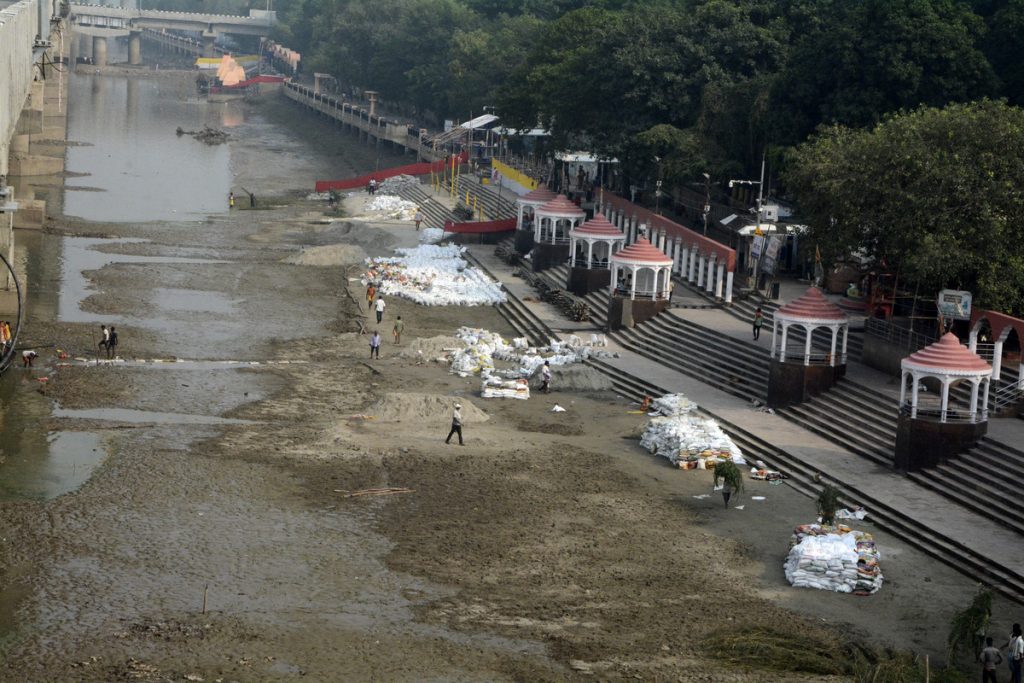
[525,208]
[932,430]
[591,245]
[551,226]
[799,371]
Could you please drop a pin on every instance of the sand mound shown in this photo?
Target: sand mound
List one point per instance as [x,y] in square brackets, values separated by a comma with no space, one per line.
[328,255]
[433,408]
[432,347]
[575,377]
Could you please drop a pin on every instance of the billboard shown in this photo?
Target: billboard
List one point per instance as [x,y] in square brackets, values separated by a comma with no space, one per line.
[954,304]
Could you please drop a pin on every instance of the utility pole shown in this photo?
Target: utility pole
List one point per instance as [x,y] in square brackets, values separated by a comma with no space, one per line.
[707,201]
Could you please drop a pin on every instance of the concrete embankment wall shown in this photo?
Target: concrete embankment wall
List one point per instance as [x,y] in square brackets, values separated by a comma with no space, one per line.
[19,25]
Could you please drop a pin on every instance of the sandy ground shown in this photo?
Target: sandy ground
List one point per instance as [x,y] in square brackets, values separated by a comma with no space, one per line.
[550,547]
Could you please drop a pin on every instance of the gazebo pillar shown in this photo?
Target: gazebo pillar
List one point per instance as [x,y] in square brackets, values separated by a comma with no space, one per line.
[700,271]
[718,280]
[775,328]
[693,264]
[832,352]
[944,409]
[728,289]
[914,395]
[709,281]
[807,345]
[974,400]
[997,359]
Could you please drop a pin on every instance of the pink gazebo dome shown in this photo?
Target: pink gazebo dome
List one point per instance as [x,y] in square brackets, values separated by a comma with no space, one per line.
[600,227]
[947,356]
[539,197]
[642,253]
[811,305]
[561,207]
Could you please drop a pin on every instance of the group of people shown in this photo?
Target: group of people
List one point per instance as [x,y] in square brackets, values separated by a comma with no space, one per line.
[378,305]
[108,340]
[991,657]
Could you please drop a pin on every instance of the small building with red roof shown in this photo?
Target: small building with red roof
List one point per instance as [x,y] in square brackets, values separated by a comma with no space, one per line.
[551,226]
[641,279]
[935,427]
[591,246]
[801,369]
[526,205]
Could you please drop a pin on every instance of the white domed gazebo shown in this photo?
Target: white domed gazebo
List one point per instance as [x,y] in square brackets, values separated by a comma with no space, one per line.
[641,277]
[591,246]
[929,431]
[551,226]
[525,208]
[947,361]
[797,375]
[810,312]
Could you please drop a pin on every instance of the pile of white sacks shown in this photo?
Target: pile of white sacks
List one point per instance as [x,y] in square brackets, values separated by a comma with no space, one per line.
[390,206]
[481,348]
[431,235]
[686,439]
[432,275]
[833,559]
[395,183]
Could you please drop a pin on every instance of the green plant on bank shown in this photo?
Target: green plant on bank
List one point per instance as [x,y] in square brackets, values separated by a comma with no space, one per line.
[968,627]
[828,503]
[768,649]
[730,474]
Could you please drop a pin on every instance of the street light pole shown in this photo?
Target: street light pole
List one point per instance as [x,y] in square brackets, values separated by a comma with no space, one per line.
[707,201]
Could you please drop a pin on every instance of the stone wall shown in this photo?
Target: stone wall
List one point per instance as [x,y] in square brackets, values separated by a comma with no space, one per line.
[19,24]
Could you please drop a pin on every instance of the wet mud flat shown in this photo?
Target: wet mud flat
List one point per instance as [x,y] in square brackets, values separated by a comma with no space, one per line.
[548,548]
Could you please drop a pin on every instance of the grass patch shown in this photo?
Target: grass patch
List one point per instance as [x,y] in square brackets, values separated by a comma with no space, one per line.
[767,649]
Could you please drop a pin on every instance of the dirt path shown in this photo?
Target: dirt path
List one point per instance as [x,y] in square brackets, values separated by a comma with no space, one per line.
[548,548]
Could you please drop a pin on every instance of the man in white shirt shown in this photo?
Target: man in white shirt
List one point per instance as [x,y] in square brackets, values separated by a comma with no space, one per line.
[379,307]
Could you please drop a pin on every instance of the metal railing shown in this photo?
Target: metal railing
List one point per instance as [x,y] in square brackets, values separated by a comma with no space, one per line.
[813,359]
[952,414]
[896,335]
[1005,396]
[593,265]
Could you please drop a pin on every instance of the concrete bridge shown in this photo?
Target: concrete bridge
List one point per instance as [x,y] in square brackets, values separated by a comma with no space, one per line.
[103,21]
[32,111]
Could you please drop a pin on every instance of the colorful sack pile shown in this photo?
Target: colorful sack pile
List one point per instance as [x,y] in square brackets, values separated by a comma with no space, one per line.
[834,558]
[690,442]
[495,387]
[432,275]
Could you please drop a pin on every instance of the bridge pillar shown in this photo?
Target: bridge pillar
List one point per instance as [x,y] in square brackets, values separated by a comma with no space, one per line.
[208,44]
[99,50]
[135,48]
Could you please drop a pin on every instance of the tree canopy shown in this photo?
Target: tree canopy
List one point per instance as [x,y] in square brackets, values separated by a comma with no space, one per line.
[935,193]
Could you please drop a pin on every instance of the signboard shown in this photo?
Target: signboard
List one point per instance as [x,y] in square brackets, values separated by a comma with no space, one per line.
[757,246]
[771,254]
[954,304]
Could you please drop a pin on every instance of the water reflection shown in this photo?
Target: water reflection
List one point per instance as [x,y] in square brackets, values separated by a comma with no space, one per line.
[146,170]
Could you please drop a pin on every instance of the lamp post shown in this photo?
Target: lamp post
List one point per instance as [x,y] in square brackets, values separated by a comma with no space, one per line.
[707,201]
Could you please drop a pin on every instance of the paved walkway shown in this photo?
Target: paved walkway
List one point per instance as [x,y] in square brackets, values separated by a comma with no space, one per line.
[980,534]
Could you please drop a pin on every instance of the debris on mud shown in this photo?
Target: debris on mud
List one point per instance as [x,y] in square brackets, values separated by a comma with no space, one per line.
[210,136]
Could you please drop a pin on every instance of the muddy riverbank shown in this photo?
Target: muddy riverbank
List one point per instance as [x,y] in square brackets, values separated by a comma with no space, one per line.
[550,547]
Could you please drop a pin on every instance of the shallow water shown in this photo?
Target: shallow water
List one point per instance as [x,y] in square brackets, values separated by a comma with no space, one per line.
[66,462]
[144,416]
[143,169]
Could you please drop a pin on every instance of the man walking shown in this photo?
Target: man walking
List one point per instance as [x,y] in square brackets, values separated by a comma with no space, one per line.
[758,321]
[380,309]
[456,424]
[375,345]
[397,331]
[105,339]
[418,218]
[112,343]
[545,375]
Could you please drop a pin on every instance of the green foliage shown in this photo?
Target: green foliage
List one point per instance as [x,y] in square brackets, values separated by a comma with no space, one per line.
[934,193]
[766,649]
[729,473]
[968,627]
[828,503]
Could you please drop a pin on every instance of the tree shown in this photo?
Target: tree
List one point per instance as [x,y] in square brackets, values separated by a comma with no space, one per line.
[935,193]
[854,62]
